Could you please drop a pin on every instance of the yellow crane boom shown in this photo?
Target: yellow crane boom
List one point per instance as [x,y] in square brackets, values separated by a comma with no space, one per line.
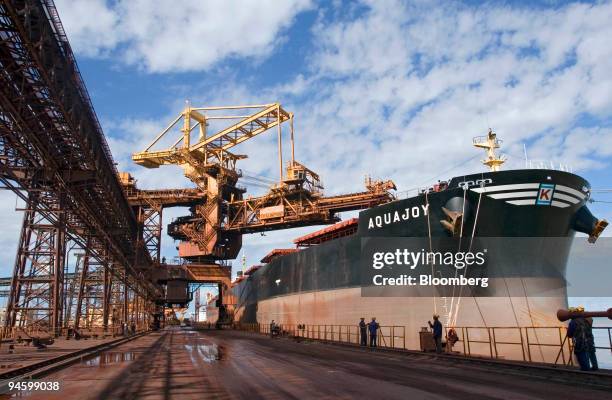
[220,213]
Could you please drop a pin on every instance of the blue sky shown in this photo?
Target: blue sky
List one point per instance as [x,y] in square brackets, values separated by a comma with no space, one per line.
[392,89]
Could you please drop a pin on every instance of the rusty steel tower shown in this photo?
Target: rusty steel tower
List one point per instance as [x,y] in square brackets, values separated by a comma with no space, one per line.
[54,157]
[89,253]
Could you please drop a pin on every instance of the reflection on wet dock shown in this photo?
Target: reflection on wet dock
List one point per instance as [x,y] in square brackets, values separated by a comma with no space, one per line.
[186,364]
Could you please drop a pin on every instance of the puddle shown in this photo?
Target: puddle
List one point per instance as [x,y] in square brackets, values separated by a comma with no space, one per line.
[209,353]
[109,357]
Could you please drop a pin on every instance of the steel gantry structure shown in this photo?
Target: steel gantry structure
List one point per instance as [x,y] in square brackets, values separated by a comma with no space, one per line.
[89,247]
[54,156]
[213,231]
[220,211]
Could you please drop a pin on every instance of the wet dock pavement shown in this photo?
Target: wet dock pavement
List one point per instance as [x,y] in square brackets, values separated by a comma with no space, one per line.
[16,356]
[185,364]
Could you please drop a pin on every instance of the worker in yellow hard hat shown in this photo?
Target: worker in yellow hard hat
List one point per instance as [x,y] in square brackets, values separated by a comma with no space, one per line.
[581,333]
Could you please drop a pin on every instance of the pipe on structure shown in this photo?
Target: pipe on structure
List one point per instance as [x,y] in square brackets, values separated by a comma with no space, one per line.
[292,141]
[564,315]
[280,146]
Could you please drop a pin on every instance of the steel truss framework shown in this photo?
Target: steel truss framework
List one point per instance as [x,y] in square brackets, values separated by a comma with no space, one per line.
[36,297]
[148,206]
[71,290]
[53,155]
[150,218]
[214,228]
[92,305]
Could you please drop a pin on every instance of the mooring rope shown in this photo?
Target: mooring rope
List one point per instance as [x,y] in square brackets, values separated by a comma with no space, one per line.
[470,249]
[430,249]
[465,189]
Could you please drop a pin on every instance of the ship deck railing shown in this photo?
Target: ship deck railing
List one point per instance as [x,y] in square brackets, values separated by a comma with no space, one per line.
[535,344]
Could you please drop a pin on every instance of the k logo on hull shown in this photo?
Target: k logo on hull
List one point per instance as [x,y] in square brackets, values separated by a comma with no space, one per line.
[545,194]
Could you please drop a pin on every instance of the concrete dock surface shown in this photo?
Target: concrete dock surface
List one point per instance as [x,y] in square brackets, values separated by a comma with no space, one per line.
[178,363]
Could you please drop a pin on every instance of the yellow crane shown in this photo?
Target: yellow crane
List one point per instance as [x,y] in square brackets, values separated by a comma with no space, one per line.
[214,228]
[209,156]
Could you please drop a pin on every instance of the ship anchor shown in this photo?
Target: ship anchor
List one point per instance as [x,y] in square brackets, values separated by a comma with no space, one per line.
[453,223]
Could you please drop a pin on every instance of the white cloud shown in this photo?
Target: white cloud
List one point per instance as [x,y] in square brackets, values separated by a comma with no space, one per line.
[91,26]
[399,91]
[178,35]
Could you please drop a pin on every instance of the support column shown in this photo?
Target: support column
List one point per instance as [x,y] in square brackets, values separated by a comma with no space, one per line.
[72,292]
[126,315]
[151,219]
[36,296]
[280,146]
[90,300]
[81,291]
[59,265]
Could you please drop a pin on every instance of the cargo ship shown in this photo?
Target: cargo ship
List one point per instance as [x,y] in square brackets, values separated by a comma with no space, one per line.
[530,213]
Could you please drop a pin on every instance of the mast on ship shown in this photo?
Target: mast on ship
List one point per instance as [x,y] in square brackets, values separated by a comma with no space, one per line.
[489,143]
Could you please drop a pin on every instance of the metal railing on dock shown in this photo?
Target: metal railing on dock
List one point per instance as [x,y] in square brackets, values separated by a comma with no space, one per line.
[530,344]
[388,336]
[203,325]
[548,345]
